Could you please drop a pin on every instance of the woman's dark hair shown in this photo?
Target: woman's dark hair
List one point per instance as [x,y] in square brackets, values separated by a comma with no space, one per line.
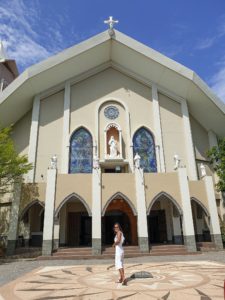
[120,228]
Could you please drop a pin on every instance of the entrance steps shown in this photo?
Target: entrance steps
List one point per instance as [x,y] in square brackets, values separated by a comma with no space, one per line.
[108,252]
[206,246]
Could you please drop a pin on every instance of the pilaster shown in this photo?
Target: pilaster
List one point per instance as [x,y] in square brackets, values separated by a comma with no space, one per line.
[96,212]
[187,218]
[66,130]
[214,219]
[32,151]
[47,245]
[14,216]
[56,233]
[158,131]
[191,165]
[141,210]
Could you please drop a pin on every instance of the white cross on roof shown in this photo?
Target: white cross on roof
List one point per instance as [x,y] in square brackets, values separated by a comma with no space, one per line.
[111,22]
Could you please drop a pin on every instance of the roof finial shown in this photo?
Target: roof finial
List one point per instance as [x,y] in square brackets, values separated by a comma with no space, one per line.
[111,23]
[3,55]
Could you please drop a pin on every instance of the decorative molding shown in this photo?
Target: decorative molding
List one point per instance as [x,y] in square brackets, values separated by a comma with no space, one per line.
[24,211]
[189,147]
[202,205]
[165,194]
[111,112]
[128,128]
[66,130]
[116,196]
[67,198]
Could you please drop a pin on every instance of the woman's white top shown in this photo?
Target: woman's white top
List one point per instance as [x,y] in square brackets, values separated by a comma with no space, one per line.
[119,247]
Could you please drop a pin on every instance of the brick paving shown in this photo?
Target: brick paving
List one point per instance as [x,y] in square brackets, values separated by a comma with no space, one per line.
[206,273]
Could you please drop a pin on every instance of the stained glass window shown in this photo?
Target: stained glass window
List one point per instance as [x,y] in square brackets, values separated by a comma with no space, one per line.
[81,152]
[143,144]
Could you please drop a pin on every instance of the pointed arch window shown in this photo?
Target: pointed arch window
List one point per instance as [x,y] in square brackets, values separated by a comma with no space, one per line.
[81,152]
[144,145]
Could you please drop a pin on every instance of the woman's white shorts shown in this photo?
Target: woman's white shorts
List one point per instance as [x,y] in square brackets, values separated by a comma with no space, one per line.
[119,261]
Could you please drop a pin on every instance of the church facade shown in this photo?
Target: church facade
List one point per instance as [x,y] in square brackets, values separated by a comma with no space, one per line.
[116,132]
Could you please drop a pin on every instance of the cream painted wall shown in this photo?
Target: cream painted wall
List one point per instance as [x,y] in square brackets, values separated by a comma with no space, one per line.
[21,134]
[200,139]
[161,182]
[80,184]
[172,131]
[197,190]
[86,95]
[114,183]
[50,134]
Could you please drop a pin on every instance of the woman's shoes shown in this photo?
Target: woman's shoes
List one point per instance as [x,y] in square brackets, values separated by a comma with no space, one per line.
[124,282]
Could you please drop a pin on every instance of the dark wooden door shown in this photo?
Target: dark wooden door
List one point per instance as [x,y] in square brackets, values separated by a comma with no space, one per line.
[157,226]
[73,229]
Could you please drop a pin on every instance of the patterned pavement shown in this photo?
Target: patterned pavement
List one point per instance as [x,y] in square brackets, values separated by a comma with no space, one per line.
[202,280]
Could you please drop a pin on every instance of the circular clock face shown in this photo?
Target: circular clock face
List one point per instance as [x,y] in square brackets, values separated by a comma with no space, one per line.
[111,112]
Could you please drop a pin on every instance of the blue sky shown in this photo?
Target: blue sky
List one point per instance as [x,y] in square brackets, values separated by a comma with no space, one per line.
[191,32]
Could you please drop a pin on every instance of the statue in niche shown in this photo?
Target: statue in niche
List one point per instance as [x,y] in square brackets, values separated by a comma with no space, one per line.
[53,162]
[203,170]
[112,147]
[176,161]
[137,160]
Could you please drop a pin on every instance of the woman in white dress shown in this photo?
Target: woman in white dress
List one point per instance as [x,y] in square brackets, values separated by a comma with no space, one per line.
[119,252]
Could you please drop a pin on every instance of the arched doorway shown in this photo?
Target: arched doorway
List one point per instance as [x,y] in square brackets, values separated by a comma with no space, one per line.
[119,209]
[31,224]
[201,221]
[74,222]
[164,220]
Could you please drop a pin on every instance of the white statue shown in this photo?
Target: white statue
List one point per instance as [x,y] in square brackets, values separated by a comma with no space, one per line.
[112,147]
[137,160]
[96,162]
[176,161]
[54,162]
[203,170]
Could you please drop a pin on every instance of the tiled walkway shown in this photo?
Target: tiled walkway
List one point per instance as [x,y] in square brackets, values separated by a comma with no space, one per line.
[171,280]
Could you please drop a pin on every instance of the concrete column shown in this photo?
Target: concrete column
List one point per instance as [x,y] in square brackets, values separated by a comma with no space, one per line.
[141,210]
[13,224]
[32,151]
[190,155]
[56,233]
[96,212]
[158,131]
[66,130]
[188,226]
[49,212]
[214,219]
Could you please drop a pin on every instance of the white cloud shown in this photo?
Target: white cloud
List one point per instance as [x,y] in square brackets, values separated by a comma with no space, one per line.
[217,82]
[18,31]
[205,43]
[208,42]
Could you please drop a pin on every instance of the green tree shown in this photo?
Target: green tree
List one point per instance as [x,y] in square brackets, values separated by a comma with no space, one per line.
[217,159]
[12,165]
